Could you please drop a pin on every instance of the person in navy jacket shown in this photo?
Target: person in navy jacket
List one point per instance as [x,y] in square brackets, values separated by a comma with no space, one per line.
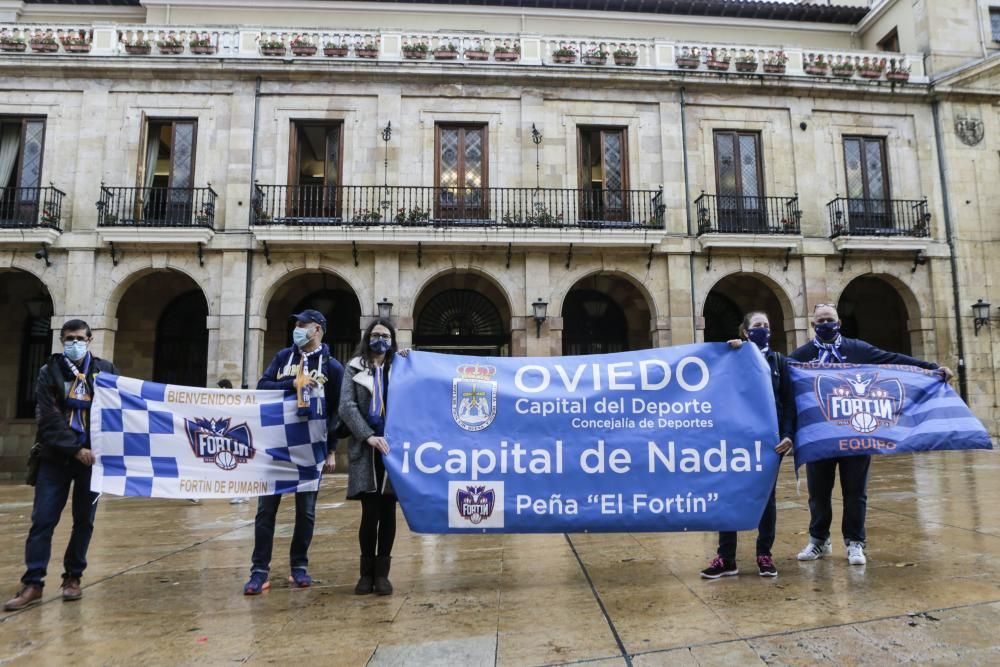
[307,368]
[830,347]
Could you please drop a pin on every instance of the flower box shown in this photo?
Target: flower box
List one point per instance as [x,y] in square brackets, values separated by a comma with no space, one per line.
[717,65]
[506,56]
[304,49]
[416,51]
[170,49]
[44,46]
[366,52]
[595,59]
[445,54]
[272,50]
[334,51]
[13,46]
[203,49]
[564,60]
[626,61]
[898,76]
[774,69]
[138,49]
[476,54]
[688,62]
[76,48]
[843,72]
[870,73]
[816,70]
[746,66]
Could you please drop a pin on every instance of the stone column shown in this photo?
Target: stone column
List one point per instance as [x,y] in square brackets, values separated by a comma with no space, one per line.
[537,286]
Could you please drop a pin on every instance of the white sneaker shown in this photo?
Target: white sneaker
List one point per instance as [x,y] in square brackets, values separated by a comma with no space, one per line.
[812,551]
[237,501]
[856,553]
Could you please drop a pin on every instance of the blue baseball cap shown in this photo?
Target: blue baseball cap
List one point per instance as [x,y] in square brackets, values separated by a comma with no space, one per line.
[311,315]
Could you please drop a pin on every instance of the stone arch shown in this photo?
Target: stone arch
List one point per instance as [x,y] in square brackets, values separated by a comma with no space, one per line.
[275,277]
[125,275]
[494,282]
[605,312]
[462,311]
[48,276]
[561,289]
[882,310]
[738,292]
[28,309]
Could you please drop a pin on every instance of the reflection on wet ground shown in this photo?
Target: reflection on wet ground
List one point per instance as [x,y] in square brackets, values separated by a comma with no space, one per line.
[165,582]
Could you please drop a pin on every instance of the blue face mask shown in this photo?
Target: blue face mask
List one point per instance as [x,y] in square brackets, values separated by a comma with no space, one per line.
[759,336]
[301,336]
[75,350]
[827,332]
[379,345]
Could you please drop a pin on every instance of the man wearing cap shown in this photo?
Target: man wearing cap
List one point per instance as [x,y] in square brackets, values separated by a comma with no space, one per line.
[308,369]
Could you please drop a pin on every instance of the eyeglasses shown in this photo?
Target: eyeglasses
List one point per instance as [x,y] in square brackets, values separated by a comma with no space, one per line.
[380,336]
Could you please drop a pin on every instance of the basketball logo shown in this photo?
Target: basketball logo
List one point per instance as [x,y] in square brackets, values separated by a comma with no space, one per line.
[225,460]
[864,422]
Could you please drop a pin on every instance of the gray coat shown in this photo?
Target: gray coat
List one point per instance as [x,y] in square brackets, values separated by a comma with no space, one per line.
[355,401]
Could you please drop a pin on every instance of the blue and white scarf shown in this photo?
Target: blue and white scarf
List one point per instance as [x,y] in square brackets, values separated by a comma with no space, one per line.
[79,398]
[829,352]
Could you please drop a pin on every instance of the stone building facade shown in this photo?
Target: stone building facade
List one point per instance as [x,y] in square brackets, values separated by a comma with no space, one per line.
[241,175]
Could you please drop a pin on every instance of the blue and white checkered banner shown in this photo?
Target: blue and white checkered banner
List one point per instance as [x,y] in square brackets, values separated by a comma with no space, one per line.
[169,441]
[856,409]
[668,439]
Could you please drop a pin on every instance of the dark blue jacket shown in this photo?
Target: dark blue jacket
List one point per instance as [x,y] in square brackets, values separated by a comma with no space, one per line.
[281,372]
[784,396]
[856,351]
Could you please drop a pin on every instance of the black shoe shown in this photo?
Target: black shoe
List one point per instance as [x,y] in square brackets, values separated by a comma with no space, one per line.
[382,586]
[765,566]
[366,582]
[720,567]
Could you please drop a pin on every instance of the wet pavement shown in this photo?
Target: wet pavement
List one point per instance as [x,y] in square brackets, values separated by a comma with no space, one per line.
[165,581]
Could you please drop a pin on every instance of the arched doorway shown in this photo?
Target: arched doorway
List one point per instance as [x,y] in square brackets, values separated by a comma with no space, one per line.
[181,353]
[603,314]
[27,309]
[734,296]
[872,310]
[462,314]
[162,330]
[320,291]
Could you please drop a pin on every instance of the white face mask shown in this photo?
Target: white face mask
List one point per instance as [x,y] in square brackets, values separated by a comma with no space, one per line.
[302,335]
[75,350]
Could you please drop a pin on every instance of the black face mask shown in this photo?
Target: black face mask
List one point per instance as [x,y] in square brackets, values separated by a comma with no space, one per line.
[827,332]
[759,336]
[379,345]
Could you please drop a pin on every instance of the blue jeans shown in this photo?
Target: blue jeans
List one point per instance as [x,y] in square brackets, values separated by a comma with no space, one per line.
[305,520]
[51,492]
[853,486]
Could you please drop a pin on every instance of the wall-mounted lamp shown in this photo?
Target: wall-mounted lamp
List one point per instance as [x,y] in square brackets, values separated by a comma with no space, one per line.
[981,314]
[540,307]
[384,308]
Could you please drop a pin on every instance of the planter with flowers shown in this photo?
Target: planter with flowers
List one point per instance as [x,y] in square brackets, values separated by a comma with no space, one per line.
[898,72]
[817,65]
[843,69]
[413,217]
[506,53]
[595,56]
[302,46]
[625,57]
[775,63]
[273,47]
[446,52]
[415,51]
[871,68]
[202,46]
[170,45]
[747,63]
[564,55]
[12,43]
[368,49]
[76,43]
[334,50]
[477,54]
[718,60]
[138,47]
[44,43]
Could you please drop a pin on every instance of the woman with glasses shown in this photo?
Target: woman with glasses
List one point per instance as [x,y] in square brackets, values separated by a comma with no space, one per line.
[757,329]
[364,396]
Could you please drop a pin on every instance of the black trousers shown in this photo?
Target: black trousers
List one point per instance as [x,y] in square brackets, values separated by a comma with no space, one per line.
[378,524]
[765,531]
[854,487]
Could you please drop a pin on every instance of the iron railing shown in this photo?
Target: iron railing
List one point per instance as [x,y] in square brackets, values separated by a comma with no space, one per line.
[31,207]
[730,214]
[421,206]
[156,207]
[851,216]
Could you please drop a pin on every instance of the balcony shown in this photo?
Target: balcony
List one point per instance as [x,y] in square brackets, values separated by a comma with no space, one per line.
[850,216]
[152,214]
[31,214]
[748,221]
[404,212]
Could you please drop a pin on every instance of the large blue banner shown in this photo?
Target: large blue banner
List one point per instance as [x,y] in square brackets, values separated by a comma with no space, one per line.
[669,439]
[856,409]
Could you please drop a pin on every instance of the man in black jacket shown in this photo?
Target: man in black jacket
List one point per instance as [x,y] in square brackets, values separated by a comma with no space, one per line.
[63,393]
[829,346]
